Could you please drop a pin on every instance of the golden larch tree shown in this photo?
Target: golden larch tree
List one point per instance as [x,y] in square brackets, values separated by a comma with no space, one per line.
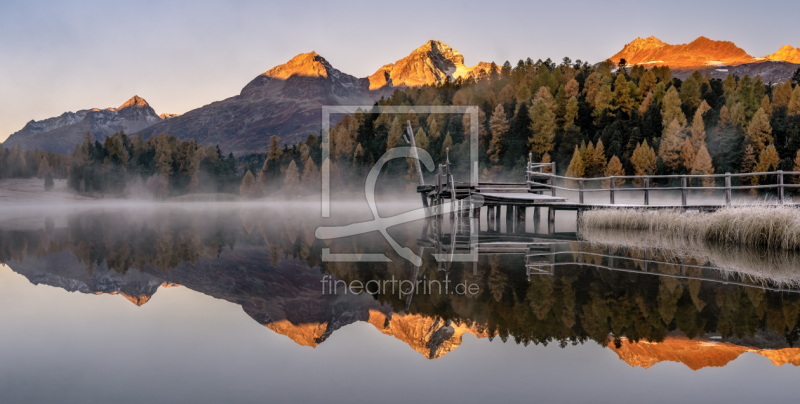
[703,165]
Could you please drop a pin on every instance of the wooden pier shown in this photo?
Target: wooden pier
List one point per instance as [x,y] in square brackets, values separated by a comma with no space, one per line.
[545,189]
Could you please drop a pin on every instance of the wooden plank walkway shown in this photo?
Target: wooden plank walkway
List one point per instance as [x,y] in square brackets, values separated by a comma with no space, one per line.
[541,188]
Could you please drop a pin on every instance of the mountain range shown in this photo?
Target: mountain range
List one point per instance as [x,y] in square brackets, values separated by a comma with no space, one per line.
[716,58]
[60,134]
[286,100]
[286,299]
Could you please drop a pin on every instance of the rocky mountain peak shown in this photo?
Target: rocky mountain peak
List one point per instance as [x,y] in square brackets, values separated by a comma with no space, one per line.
[700,52]
[434,49]
[640,44]
[786,53]
[135,101]
[431,63]
[309,64]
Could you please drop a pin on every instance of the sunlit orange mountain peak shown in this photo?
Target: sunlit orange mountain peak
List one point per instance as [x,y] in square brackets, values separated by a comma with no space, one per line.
[695,354]
[309,64]
[308,334]
[786,53]
[137,300]
[432,337]
[432,63]
[701,52]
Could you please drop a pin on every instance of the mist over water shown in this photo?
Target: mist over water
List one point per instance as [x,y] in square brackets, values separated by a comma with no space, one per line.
[223,294]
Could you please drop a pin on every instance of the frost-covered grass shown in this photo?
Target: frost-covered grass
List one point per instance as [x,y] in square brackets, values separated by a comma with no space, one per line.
[777,267]
[761,241]
[759,226]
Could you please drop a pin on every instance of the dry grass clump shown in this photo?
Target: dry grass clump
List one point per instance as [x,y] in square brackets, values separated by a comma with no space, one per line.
[776,266]
[761,226]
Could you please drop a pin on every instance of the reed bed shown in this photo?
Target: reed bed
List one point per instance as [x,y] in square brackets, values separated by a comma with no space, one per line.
[761,242]
[776,267]
[760,226]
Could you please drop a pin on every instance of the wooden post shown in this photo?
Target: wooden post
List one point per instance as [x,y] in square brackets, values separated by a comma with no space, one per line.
[611,191]
[521,219]
[646,191]
[509,218]
[780,185]
[728,188]
[537,218]
[551,221]
[683,190]
[580,192]
[439,191]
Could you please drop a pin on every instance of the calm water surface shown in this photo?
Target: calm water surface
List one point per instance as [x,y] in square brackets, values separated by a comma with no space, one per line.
[235,304]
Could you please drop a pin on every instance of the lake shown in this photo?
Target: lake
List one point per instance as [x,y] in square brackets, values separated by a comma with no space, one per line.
[241,302]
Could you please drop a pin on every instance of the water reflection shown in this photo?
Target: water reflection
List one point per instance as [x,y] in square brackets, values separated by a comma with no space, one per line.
[647,305]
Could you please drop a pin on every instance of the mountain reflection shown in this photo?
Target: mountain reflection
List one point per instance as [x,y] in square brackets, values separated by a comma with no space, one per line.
[268,261]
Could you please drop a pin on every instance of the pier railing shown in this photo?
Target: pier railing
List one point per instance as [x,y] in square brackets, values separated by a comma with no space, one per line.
[645,184]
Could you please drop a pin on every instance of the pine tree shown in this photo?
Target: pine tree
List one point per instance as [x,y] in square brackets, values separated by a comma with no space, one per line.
[614,169]
[571,110]
[781,94]
[623,95]
[768,160]
[602,103]
[698,130]
[343,137]
[48,181]
[595,162]
[671,109]
[796,167]
[794,102]
[748,161]
[421,139]
[248,188]
[759,133]
[702,165]
[271,166]
[690,91]
[44,168]
[647,82]
[688,153]
[498,127]
[291,178]
[643,160]
[670,147]
[571,89]
[310,178]
[646,103]
[543,124]
[395,135]
[766,105]
[576,168]
[591,87]
[447,143]
[433,127]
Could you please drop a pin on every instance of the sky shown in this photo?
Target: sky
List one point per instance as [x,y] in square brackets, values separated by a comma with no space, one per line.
[58,56]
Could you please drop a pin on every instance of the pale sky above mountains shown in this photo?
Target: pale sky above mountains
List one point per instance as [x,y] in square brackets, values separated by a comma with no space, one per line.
[58,56]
